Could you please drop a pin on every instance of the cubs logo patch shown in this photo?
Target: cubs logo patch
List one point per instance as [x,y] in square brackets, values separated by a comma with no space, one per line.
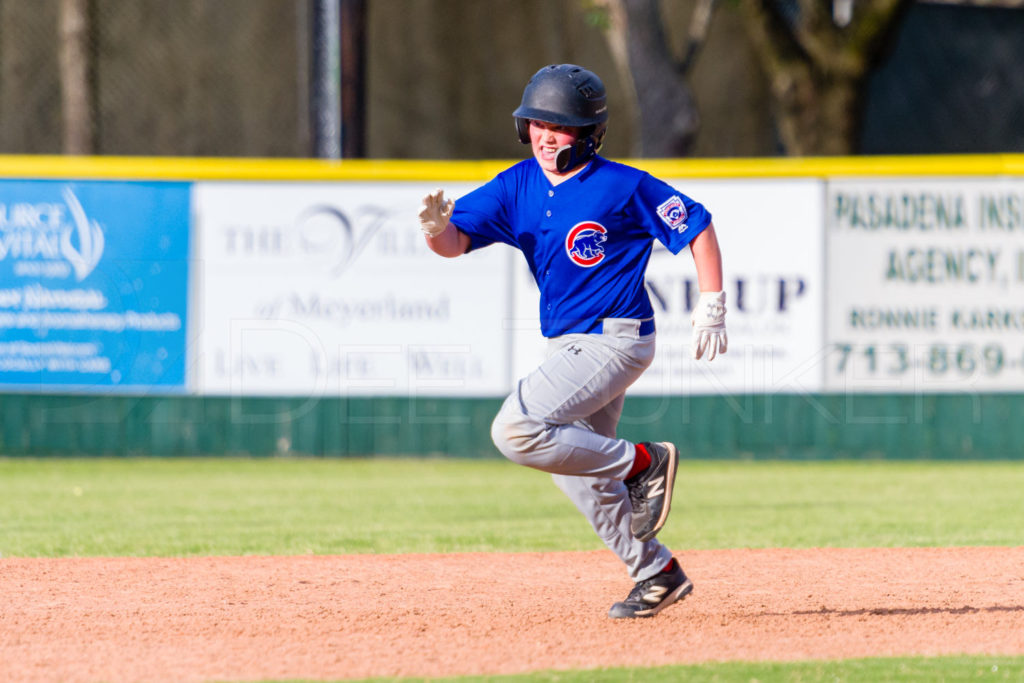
[673,212]
[583,243]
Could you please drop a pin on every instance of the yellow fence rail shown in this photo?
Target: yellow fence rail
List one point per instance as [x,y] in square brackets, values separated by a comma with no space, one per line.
[187,169]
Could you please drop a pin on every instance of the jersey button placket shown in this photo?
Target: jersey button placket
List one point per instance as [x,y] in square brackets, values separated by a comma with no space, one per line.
[546,206]
[547,212]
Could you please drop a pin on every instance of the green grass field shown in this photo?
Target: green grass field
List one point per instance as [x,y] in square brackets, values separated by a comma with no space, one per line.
[847,671]
[174,507]
[181,507]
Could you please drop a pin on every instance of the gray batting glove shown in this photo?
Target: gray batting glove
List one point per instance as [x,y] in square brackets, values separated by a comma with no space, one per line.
[709,326]
[435,212]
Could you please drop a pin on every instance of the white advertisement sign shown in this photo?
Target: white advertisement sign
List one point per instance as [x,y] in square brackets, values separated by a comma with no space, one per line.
[773,252]
[926,285]
[329,289]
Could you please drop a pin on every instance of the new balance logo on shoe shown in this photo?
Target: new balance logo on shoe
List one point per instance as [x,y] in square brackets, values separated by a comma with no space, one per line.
[655,595]
[655,487]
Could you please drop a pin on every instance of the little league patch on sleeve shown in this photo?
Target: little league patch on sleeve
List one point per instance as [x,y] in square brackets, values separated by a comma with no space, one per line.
[673,212]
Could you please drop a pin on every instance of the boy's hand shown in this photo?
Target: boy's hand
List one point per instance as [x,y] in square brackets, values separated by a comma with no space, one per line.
[435,213]
[709,325]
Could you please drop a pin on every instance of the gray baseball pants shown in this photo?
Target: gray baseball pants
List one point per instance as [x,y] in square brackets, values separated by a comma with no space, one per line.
[562,418]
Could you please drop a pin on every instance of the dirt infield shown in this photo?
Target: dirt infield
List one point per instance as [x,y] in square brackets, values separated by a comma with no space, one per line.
[316,617]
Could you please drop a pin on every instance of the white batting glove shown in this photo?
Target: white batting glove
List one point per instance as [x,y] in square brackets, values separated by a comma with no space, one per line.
[709,325]
[435,212]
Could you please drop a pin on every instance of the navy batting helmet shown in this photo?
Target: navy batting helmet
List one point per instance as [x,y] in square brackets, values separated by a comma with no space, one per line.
[566,95]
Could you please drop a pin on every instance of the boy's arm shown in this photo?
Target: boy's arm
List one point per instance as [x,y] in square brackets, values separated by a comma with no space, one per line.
[708,259]
[450,243]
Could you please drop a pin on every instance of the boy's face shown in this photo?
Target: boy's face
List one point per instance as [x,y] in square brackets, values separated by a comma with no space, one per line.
[547,138]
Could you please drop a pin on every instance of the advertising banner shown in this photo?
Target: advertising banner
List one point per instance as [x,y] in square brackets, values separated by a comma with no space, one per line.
[321,289]
[925,285]
[93,285]
[772,251]
[871,285]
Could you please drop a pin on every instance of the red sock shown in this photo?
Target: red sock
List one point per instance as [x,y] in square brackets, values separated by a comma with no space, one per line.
[669,566]
[641,461]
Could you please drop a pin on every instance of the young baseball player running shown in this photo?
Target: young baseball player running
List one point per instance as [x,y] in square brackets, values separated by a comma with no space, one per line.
[586,226]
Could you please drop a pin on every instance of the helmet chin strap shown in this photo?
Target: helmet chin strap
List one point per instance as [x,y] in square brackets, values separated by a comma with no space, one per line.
[569,157]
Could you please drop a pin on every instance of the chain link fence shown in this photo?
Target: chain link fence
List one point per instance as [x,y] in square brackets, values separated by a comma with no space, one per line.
[232,78]
[169,77]
[952,82]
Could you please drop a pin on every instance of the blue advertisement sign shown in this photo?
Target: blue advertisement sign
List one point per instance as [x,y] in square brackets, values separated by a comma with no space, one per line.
[93,285]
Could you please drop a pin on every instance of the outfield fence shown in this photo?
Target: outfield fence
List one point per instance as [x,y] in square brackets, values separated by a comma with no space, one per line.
[281,307]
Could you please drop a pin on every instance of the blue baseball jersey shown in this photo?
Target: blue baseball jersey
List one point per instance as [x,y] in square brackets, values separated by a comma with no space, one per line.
[587,240]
